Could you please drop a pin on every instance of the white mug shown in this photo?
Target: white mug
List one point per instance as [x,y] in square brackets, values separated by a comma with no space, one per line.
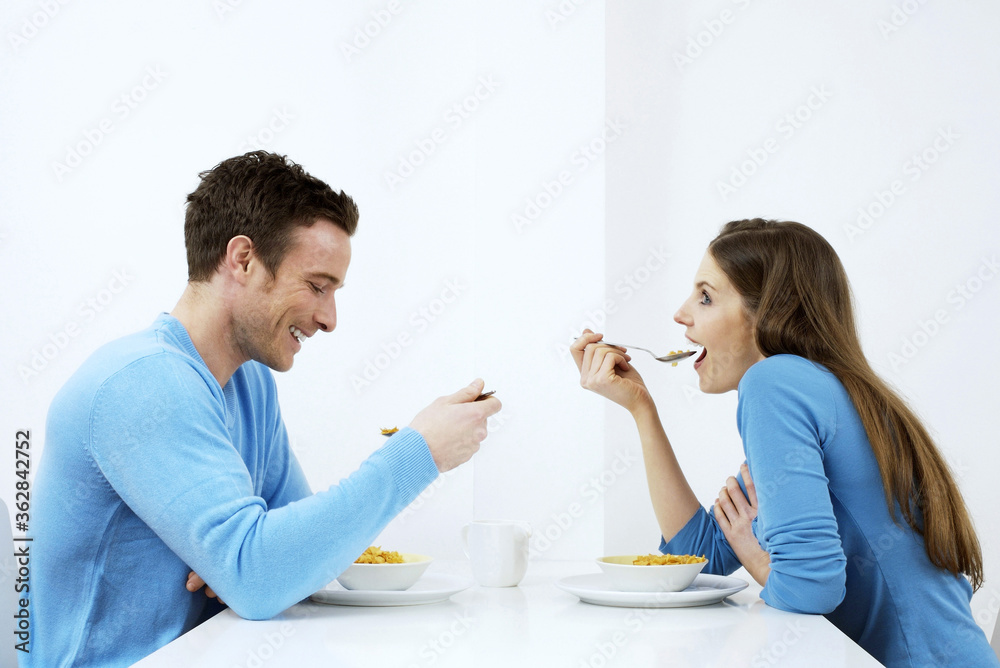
[498,550]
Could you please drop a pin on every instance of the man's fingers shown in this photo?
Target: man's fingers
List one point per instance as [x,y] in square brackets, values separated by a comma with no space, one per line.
[491,405]
[484,408]
[469,392]
[194,582]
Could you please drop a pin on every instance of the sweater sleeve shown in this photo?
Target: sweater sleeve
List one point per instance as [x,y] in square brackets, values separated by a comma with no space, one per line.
[703,536]
[785,415]
[284,480]
[168,455]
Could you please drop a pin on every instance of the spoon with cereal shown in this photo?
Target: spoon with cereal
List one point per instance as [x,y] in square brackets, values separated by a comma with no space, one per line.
[673,357]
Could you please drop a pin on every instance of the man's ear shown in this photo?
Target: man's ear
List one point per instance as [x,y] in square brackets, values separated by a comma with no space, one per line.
[239,256]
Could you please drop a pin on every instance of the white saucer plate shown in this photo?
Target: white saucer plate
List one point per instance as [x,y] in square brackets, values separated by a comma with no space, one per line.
[432,588]
[596,588]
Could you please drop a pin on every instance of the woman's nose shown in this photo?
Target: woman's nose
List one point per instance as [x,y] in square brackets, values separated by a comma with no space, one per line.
[682,317]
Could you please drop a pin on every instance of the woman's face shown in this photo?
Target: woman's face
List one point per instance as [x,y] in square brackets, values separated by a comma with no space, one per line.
[714,318]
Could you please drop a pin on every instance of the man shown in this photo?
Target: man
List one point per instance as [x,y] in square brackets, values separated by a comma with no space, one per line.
[167,464]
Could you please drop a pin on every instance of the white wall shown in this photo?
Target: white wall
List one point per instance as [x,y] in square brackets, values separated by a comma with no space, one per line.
[543,86]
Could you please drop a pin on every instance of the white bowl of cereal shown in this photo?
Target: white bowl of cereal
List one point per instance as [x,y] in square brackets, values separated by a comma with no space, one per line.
[379,570]
[652,572]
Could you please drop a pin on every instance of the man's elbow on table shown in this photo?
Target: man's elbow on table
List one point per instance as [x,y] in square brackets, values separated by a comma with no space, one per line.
[258,610]
[255,603]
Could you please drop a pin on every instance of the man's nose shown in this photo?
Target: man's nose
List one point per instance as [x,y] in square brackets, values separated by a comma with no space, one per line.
[326,316]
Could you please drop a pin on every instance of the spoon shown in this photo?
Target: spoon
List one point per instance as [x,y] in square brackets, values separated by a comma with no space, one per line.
[484,395]
[672,357]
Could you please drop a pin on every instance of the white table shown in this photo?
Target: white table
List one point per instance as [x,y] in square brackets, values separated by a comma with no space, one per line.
[534,624]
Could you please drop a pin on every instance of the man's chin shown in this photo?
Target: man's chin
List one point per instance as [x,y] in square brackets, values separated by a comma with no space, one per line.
[279,365]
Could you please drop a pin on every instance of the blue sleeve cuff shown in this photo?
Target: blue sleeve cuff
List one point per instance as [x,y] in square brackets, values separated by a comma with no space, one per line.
[410,463]
[702,536]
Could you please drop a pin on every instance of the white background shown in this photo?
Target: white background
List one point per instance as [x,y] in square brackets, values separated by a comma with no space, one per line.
[511,223]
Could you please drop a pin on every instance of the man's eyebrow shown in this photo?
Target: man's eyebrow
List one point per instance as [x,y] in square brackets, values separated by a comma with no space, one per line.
[327,277]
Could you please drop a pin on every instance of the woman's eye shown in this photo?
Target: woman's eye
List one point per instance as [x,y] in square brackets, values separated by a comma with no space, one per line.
[705,299]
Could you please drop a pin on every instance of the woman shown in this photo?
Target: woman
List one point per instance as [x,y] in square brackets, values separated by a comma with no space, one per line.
[854,514]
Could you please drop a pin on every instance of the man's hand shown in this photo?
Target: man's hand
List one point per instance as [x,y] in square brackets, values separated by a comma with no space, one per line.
[455,425]
[735,514]
[194,583]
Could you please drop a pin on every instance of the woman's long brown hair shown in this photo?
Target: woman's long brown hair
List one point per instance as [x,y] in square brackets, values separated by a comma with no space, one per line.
[796,293]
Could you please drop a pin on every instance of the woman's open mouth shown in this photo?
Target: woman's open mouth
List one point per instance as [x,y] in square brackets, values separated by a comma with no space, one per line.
[701,358]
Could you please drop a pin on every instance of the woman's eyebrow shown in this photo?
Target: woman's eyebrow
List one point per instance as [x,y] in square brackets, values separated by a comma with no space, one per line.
[704,284]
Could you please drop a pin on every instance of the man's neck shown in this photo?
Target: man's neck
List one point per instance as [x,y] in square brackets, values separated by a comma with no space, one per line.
[205,316]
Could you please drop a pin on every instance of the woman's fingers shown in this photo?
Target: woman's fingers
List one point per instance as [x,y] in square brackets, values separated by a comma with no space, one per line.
[751,489]
[578,347]
[612,359]
[736,495]
[585,362]
[725,504]
[596,368]
[605,370]
[722,515]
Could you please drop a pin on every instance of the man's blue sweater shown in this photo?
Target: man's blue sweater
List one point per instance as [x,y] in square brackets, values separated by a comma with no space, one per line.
[150,470]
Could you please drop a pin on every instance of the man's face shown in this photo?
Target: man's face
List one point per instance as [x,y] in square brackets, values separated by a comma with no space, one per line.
[276,315]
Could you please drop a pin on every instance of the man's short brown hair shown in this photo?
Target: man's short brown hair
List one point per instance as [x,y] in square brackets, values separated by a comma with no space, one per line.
[263,196]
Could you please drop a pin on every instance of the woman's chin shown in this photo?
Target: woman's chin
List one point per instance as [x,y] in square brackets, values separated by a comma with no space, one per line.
[710,385]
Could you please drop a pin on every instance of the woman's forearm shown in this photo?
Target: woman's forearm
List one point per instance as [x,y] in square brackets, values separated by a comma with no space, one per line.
[674,503]
[759,567]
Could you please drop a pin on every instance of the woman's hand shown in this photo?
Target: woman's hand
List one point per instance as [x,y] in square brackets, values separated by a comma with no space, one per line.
[735,514]
[606,370]
[194,583]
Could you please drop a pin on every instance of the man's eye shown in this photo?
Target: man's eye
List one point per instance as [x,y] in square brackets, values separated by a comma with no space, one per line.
[318,290]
